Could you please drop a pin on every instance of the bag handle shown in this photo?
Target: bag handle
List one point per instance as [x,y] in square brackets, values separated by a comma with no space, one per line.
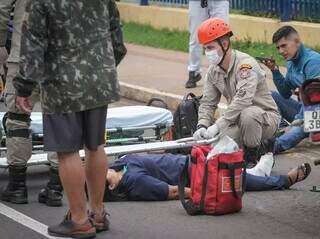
[232,167]
[188,205]
[190,94]
[155,99]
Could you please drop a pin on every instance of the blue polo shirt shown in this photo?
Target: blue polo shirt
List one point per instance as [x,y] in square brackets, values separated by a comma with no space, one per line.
[148,175]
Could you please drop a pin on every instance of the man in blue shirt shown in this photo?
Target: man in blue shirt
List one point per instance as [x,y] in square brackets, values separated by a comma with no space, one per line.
[303,64]
[154,177]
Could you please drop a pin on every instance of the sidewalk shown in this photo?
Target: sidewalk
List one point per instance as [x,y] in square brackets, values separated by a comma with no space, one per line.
[159,72]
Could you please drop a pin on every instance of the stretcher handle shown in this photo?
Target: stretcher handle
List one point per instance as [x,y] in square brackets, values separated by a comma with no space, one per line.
[204,141]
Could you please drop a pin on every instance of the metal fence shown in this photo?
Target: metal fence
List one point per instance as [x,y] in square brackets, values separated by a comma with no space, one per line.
[170,2]
[285,9]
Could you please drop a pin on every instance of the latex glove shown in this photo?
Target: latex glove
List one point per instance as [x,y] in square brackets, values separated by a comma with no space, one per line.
[212,132]
[199,134]
[3,55]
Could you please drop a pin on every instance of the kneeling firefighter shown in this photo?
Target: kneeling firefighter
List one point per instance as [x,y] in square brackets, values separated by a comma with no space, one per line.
[252,117]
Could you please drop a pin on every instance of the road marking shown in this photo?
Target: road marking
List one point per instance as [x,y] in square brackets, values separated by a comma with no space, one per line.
[25,221]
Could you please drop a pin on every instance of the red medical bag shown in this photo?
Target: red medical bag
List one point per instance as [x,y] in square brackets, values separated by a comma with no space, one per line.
[216,183]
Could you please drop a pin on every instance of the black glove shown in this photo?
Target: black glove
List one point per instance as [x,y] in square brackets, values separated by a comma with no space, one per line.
[204,3]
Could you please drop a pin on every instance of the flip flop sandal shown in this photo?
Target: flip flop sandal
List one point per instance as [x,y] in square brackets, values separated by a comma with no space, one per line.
[305,168]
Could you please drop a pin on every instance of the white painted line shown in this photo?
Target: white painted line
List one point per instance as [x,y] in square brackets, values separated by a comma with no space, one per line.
[25,221]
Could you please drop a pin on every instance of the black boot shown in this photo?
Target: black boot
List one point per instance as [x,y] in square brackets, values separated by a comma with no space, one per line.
[194,77]
[268,146]
[16,191]
[251,156]
[51,195]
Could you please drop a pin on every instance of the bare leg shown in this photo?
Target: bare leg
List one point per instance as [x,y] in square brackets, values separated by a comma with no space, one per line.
[96,172]
[72,176]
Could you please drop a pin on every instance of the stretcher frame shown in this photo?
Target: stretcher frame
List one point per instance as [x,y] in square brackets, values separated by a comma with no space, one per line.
[158,132]
[41,159]
[118,135]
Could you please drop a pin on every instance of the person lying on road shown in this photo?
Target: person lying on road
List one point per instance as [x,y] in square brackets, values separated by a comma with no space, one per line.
[154,177]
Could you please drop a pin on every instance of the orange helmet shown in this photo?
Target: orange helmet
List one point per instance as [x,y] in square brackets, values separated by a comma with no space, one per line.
[212,29]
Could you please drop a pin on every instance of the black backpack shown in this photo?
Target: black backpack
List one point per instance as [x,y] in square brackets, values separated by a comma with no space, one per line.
[185,118]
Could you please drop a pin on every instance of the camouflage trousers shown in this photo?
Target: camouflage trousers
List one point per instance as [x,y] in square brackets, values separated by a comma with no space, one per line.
[18,141]
[253,126]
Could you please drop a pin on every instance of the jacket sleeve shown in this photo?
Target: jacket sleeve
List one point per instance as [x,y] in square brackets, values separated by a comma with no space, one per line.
[5,6]
[245,92]
[209,102]
[33,46]
[143,187]
[119,48]
[312,69]
[283,84]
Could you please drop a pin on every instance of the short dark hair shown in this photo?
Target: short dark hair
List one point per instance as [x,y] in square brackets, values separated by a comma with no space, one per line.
[283,32]
[116,195]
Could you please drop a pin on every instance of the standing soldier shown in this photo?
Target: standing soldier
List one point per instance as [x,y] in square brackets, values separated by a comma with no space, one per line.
[17,123]
[67,48]
[3,43]
[251,116]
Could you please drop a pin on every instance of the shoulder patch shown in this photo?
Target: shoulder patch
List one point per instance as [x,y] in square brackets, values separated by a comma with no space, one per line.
[245,66]
[244,72]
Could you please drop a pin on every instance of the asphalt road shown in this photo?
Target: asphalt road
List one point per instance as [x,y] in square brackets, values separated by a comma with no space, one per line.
[290,214]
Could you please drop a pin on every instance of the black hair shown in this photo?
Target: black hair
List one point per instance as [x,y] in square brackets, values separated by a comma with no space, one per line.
[115,195]
[283,32]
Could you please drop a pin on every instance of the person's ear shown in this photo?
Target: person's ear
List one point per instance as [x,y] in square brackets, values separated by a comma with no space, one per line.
[296,40]
[112,186]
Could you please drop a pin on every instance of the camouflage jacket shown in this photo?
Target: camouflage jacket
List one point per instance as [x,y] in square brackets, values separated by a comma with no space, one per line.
[5,6]
[19,11]
[116,33]
[66,47]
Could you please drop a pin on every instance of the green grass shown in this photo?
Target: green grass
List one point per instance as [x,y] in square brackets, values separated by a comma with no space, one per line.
[146,35]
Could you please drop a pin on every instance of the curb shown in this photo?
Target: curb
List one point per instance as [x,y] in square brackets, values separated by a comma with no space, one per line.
[143,94]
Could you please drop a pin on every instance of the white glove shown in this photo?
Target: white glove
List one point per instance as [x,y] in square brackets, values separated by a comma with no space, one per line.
[199,134]
[3,55]
[211,132]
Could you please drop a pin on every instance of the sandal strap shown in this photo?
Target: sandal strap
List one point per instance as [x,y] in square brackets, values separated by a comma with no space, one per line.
[305,168]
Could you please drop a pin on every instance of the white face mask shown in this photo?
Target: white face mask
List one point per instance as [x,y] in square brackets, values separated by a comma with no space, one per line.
[213,57]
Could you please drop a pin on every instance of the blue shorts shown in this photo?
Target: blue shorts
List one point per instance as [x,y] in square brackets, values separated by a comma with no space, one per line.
[72,131]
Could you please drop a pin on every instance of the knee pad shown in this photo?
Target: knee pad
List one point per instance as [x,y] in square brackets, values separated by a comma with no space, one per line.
[23,133]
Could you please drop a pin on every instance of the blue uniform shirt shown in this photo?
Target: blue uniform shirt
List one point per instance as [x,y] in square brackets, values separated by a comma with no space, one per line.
[148,175]
[304,66]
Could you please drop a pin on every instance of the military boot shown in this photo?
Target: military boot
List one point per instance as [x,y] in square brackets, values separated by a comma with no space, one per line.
[51,195]
[251,156]
[268,146]
[16,191]
[194,77]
